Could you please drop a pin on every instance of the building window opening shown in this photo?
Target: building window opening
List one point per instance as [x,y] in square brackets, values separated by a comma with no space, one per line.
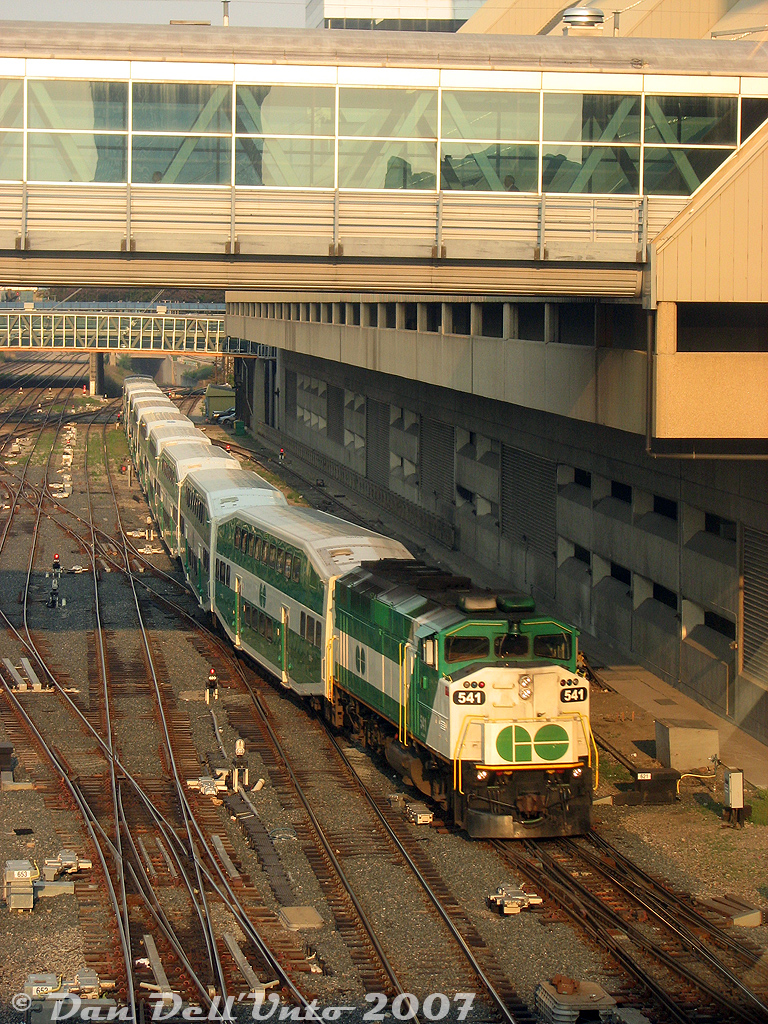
[390,311]
[622,492]
[665,507]
[493,320]
[621,573]
[724,528]
[664,596]
[720,625]
[582,477]
[410,318]
[461,318]
[434,317]
[582,554]
[530,321]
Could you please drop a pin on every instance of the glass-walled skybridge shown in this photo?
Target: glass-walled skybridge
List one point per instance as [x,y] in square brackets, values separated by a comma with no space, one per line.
[129,332]
[295,146]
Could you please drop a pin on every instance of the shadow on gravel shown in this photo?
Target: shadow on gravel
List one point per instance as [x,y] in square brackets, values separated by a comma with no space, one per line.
[648,747]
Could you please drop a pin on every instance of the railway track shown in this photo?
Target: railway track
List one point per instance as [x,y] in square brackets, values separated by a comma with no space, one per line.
[166,832]
[673,953]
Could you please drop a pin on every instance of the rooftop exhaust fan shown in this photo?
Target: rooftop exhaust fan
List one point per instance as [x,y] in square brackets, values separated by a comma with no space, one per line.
[583,17]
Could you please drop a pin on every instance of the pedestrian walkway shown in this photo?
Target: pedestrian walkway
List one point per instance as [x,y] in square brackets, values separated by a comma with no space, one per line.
[660,700]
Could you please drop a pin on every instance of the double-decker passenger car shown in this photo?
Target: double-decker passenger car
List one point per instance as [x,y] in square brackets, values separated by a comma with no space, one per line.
[208,496]
[471,696]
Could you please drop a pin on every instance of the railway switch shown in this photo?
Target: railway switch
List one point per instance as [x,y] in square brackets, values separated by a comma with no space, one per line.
[66,862]
[511,899]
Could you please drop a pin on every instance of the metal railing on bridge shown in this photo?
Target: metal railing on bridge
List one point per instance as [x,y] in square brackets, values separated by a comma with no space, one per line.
[93,331]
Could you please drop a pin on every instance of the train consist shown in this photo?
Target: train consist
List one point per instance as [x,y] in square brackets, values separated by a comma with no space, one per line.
[473,698]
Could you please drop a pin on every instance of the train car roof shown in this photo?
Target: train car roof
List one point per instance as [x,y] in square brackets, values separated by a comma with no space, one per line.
[138,381]
[147,403]
[161,416]
[187,456]
[142,386]
[165,431]
[333,545]
[430,595]
[141,394]
[230,490]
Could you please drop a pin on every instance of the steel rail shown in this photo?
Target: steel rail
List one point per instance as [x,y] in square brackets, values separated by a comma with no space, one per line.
[123,903]
[751,958]
[654,906]
[472,959]
[225,892]
[578,913]
[599,912]
[118,852]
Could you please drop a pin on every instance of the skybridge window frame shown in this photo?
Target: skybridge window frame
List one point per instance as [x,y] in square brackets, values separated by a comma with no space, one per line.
[358,162]
[277,145]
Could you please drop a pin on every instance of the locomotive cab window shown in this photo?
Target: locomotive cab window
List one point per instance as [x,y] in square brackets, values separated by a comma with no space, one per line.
[555,646]
[466,648]
[512,645]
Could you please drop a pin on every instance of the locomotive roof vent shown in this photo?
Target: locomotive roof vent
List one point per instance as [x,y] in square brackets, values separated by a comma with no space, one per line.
[477,602]
[515,603]
[583,17]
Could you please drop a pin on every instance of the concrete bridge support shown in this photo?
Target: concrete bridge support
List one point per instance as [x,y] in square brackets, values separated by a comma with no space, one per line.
[97,374]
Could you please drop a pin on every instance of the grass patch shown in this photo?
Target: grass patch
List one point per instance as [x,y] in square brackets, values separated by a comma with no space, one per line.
[43,448]
[117,447]
[291,495]
[95,454]
[759,802]
[612,772]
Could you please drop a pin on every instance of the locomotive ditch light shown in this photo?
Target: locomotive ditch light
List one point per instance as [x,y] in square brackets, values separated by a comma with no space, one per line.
[577,772]
[482,775]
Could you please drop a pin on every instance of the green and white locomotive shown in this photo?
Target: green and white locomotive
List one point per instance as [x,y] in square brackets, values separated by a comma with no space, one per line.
[473,698]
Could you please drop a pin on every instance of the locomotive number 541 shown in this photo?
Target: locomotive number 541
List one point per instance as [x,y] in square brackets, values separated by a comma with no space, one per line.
[468,697]
[573,694]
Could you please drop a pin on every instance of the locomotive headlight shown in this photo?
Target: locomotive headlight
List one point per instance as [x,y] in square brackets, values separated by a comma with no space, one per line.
[482,775]
[525,687]
[576,773]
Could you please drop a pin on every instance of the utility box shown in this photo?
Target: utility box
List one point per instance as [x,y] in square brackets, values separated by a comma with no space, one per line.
[18,885]
[733,789]
[686,744]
